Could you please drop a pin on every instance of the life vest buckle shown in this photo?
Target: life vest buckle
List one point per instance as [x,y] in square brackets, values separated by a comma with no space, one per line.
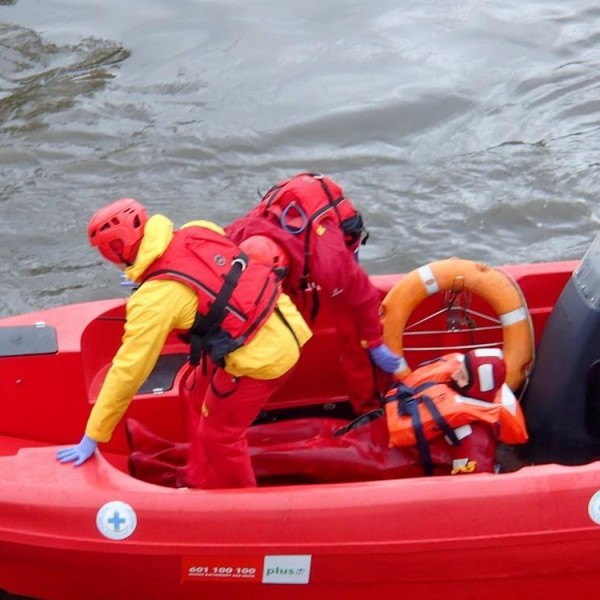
[239,261]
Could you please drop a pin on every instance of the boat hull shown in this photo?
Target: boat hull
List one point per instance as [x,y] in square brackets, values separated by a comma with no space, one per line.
[94,532]
[530,530]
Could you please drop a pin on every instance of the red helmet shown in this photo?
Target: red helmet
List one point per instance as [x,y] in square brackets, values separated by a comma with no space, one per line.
[267,252]
[487,371]
[117,230]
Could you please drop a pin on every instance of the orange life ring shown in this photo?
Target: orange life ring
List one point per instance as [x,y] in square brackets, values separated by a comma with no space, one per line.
[492,285]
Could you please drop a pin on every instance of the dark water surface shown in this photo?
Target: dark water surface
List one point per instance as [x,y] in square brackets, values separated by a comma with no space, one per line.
[460,128]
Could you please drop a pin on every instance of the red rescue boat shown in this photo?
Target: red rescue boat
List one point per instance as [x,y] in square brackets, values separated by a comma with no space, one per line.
[95,532]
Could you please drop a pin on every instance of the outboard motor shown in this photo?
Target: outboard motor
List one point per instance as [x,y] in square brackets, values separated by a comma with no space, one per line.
[562,401]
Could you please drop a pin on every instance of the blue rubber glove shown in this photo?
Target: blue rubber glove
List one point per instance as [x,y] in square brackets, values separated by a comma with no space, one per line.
[385,359]
[78,454]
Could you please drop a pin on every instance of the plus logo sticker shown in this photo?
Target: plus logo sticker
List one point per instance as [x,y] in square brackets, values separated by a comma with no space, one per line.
[287,569]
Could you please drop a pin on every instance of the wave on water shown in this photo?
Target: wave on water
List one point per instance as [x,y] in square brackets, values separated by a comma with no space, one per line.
[38,78]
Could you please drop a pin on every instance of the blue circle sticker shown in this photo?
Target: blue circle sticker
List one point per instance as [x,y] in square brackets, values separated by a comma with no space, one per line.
[116,520]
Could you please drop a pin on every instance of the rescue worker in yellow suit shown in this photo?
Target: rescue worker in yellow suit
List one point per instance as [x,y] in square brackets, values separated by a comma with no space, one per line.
[194,280]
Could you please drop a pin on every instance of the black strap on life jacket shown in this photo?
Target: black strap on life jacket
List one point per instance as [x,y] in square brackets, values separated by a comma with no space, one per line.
[205,326]
[409,400]
[411,407]
[332,202]
[439,419]
[405,393]
[406,398]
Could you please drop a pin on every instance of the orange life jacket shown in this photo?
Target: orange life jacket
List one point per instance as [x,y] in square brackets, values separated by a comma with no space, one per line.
[235,295]
[424,396]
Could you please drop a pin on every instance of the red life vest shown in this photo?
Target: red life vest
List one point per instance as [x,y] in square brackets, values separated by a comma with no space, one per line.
[299,205]
[302,201]
[235,295]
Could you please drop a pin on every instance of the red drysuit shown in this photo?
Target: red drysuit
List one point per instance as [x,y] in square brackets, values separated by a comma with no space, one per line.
[342,284]
[318,451]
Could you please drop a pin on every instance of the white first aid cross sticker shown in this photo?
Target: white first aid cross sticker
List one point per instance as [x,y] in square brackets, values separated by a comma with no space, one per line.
[116,520]
[594,508]
[294,569]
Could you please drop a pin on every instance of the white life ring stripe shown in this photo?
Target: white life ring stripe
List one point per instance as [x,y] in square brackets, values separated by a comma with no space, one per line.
[429,280]
[514,316]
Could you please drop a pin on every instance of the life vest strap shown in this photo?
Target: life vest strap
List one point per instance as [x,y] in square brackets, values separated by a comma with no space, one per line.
[306,226]
[207,326]
[439,419]
[408,400]
[411,407]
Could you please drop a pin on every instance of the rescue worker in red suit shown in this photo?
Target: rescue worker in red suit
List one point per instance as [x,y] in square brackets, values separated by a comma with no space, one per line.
[240,325]
[375,447]
[319,232]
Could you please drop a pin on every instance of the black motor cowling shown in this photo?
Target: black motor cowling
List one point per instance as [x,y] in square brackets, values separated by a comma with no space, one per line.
[562,401]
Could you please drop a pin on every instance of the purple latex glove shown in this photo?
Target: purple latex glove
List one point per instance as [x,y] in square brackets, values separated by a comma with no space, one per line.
[385,359]
[78,454]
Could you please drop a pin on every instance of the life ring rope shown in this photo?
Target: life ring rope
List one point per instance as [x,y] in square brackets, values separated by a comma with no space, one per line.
[496,287]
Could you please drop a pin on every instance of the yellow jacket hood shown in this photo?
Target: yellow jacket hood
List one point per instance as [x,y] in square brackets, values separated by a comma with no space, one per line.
[158,233]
